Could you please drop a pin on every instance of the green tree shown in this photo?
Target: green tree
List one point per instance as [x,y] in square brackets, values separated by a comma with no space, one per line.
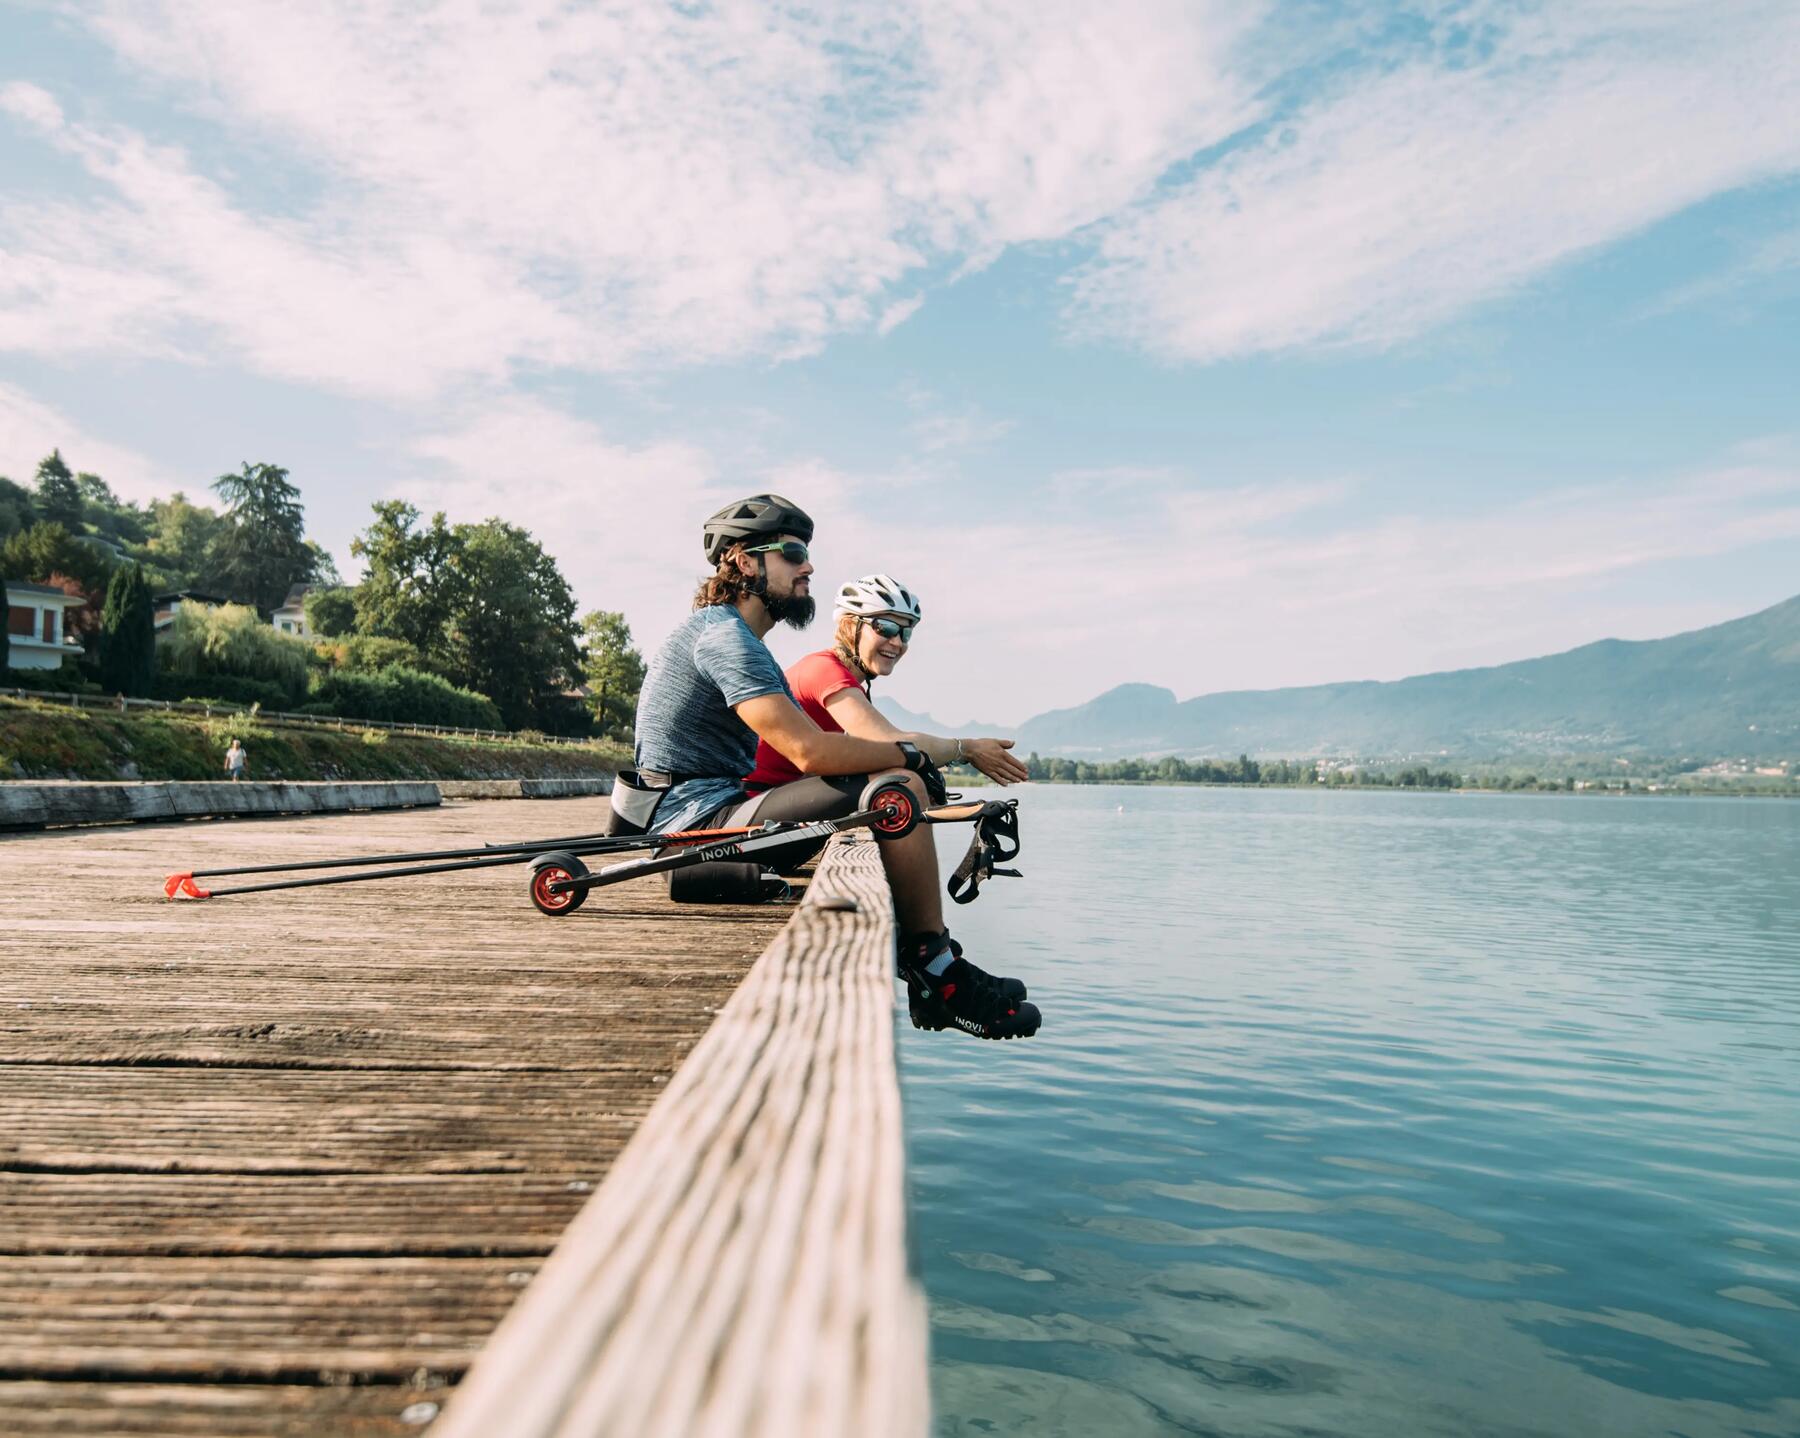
[47,548]
[184,537]
[58,496]
[5,637]
[614,671]
[17,509]
[511,633]
[331,612]
[263,552]
[406,592]
[230,640]
[128,633]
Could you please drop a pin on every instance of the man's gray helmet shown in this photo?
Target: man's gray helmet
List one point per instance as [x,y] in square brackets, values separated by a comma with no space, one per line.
[762,514]
[877,594]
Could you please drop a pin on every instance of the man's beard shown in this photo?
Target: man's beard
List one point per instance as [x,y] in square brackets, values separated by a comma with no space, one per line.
[794,610]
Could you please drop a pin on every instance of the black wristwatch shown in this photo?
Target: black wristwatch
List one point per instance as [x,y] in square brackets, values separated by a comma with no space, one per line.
[912,756]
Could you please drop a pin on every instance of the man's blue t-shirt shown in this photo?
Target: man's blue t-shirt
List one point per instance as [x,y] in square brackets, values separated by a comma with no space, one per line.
[685,723]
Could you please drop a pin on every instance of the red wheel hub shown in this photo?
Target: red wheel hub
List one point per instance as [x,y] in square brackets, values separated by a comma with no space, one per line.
[546,897]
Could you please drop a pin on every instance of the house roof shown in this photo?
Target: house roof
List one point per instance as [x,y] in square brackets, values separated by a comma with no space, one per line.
[203,597]
[296,597]
[41,591]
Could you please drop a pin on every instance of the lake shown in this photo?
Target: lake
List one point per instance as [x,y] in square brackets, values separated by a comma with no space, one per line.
[1372,1114]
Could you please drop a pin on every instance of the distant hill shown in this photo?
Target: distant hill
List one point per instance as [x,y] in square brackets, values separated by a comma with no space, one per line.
[916,723]
[1733,689]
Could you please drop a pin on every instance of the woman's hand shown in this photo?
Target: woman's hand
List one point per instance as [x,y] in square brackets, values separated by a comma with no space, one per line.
[991,758]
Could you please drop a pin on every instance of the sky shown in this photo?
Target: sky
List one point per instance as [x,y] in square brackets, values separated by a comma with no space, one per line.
[1216,346]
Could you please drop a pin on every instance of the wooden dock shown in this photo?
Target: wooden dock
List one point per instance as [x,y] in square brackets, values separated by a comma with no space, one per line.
[279,1165]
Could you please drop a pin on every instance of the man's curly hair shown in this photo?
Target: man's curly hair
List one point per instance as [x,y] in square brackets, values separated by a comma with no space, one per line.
[725,585]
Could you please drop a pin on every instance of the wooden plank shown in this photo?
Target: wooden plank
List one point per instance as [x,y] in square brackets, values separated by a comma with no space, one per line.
[250,1319]
[143,1410]
[69,1119]
[743,1269]
[206,1213]
[309,1138]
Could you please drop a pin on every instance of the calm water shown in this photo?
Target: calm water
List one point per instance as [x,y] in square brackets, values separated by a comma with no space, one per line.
[1373,1114]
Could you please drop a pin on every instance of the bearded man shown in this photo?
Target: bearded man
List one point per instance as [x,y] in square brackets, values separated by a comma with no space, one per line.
[714,689]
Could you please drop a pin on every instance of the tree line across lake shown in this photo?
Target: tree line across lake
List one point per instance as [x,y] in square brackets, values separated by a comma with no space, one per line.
[471,625]
[1242,770]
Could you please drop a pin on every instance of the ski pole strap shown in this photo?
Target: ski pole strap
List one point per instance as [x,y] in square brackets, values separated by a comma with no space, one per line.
[996,841]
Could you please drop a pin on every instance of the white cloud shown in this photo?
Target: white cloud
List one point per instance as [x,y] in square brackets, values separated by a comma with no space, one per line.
[1209,589]
[464,190]
[940,425]
[30,429]
[1412,191]
[611,514]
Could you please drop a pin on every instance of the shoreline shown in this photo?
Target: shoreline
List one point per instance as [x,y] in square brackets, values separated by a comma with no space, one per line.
[1685,791]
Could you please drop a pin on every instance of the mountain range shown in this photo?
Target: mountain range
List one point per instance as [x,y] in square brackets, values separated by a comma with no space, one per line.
[1730,689]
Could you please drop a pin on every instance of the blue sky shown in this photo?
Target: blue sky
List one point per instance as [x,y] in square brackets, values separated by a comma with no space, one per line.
[1211,346]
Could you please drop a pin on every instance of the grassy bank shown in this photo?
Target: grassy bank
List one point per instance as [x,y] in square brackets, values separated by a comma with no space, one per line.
[43,741]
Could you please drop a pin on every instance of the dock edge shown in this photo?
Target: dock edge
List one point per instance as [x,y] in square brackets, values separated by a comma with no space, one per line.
[744,1268]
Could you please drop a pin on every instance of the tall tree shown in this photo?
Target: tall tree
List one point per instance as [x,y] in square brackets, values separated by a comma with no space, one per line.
[613,669]
[511,633]
[331,612]
[95,490]
[45,549]
[263,553]
[58,496]
[17,508]
[128,633]
[406,592]
[183,540]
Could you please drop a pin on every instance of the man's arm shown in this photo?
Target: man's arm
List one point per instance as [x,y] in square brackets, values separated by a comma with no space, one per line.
[785,725]
[859,717]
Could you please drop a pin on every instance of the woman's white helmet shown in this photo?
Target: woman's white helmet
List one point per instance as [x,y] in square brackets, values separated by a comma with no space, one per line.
[877,594]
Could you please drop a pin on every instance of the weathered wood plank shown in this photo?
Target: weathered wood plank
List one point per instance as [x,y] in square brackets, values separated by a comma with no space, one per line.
[269,1138]
[142,1410]
[250,1319]
[204,1213]
[71,1119]
[743,1269]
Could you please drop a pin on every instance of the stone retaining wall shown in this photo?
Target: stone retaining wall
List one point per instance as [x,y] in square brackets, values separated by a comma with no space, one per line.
[25,805]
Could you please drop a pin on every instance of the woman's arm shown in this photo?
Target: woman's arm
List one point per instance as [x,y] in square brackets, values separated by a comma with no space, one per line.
[851,708]
[786,726]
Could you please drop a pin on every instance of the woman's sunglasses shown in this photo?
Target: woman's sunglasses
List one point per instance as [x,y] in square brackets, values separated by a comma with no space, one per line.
[892,629]
[792,550]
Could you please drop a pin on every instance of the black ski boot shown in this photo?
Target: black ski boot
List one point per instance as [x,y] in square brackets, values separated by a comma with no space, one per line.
[963,996]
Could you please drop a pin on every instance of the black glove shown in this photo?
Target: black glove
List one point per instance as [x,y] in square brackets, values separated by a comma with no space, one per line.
[916,761]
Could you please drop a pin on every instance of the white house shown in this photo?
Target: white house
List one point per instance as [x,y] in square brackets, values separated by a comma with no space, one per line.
[36,619]
[290,618]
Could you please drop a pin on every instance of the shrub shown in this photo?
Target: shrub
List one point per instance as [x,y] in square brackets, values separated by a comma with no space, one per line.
[229,640]
[241,726]
[367,653]
[225,690]
[400,695]
[65,680]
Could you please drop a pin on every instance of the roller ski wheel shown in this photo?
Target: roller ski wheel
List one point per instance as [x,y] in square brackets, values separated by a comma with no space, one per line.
[899,814]
[548,869]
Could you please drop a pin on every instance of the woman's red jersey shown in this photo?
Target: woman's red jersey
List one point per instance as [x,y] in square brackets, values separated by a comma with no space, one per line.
[813,679]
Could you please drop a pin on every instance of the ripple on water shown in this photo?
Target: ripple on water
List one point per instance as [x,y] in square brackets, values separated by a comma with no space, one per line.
[1373,1114]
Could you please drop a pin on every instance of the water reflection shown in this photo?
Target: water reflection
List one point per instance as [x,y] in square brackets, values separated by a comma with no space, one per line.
[1374,1114]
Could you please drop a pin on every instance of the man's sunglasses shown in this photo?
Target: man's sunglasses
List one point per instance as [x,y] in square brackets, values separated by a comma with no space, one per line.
[892,629]
[792,550]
